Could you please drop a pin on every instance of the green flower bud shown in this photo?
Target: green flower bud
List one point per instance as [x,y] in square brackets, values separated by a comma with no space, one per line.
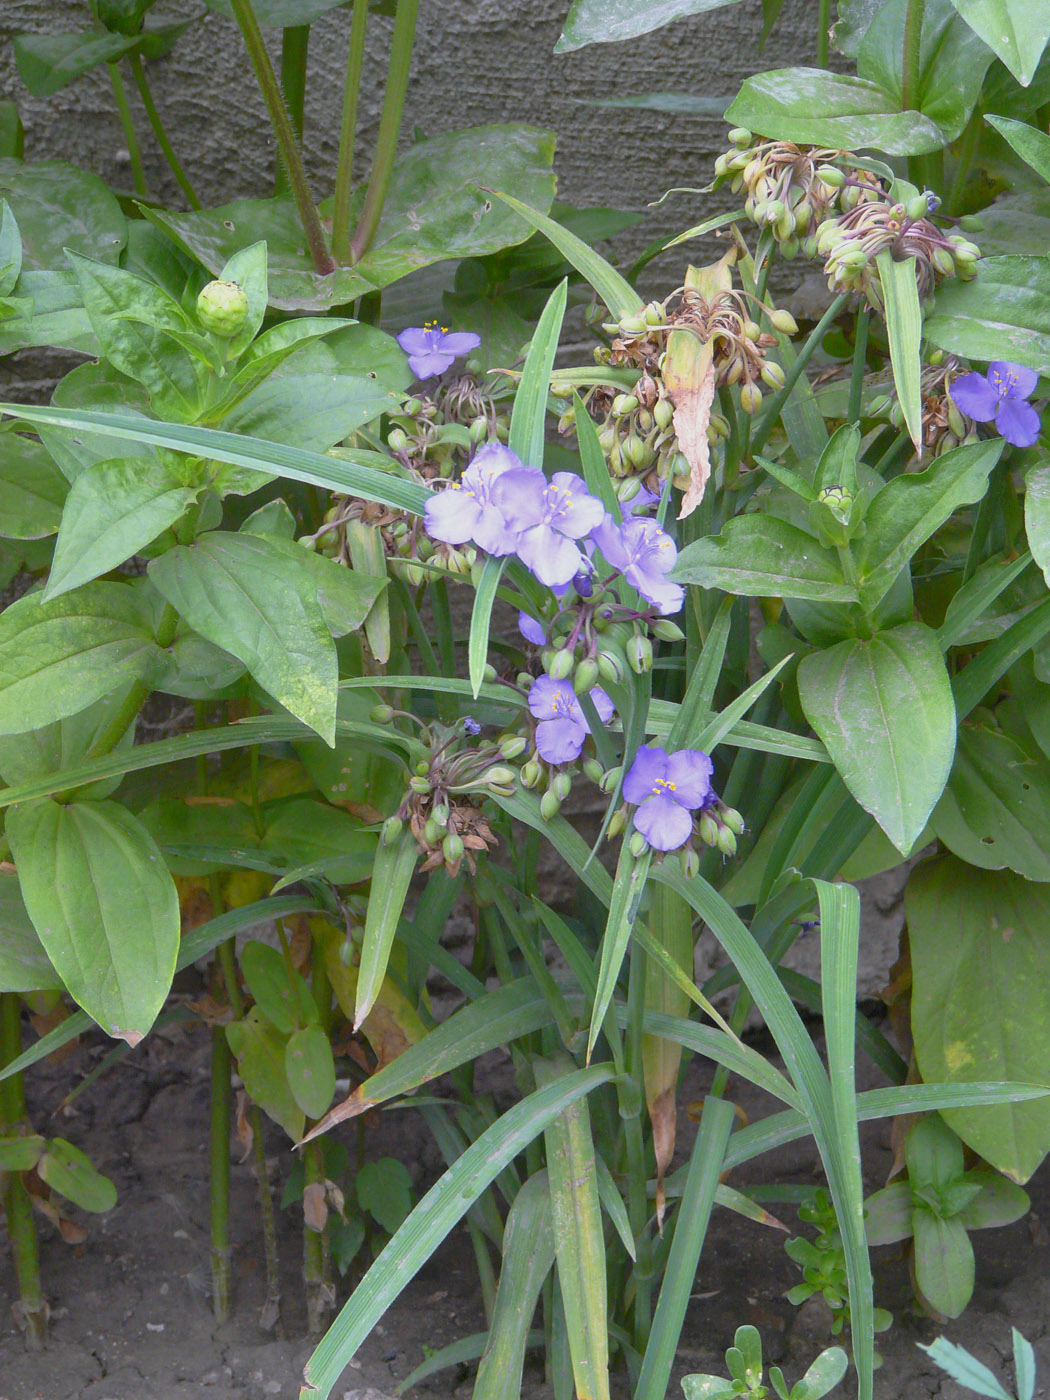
[750,398]
[347,952]
[790,247]
[550,805]
[490,673]
[397,440]
[610,779]
[971,223]
[562,664]
[381,714]
[666,630]
[412,408]
[918,207]
[773,375]
[585,676]
[853,258]
[708,829]
[420,785]
[513,745]
[732,818]
[547,656]
[433,831]
[627,488]
[452,849]
[633,325]
[831,175]
[499,775]
[479,431]
[740,136]
[663,412]
[654,313]
[222,308]
[726,841]
[955,421]
[690,862]
[593,770]
[531,773]
[637,845]
[623,404]
[561,785]
[639,654]
[838,500]
[784,322]
[617,822]
[943,262]
[122,16]
[390,831]
[422,768]
[610,666]
[524,680]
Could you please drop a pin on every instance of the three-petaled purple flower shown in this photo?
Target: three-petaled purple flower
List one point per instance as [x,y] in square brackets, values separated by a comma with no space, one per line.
[465,509]
[547,517]
[432,348]
[669,788]
[1001,395]
[643,553]
[562,724]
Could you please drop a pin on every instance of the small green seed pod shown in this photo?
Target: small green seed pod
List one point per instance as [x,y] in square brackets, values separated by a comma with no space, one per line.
[391,830]
[222,308]
[637,845]
[550,805]
[585,677]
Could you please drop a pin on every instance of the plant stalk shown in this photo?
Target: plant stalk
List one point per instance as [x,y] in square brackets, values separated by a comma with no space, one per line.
[21,1227]
[637,1195]
[389,127]
[780,398]
[860,352]
[146,95]
[219,1165]
[120,96]
[823,31]
[911,56]
[344,172]
[281,122]
[295,47]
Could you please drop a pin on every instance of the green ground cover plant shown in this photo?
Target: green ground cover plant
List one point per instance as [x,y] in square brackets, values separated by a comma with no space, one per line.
[781,597]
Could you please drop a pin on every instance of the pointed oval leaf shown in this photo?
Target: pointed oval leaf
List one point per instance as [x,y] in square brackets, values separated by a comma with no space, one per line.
[1016,31]
[1004,314]
[766,557]
[67,1170]
[310,1070]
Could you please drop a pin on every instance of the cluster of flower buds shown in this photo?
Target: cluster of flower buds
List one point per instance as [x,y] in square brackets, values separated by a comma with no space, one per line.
[675,806]
[637,437]
[360,533]
[944,425]
[443,803]
[851,242]
[791,189]
[739,344]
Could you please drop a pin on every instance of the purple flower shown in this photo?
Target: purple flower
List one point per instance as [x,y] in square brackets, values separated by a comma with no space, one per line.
[562,726]
[531,630]
[549,517]
[643,501]
[470,725]
[432,348]
[669,789]
[1001,395]
[465,510]
[643,553]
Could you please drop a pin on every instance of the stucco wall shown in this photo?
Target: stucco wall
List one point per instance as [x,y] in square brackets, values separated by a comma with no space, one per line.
[475,61]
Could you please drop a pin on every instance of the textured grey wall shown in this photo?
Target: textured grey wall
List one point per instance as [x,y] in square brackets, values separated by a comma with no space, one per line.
[476,61]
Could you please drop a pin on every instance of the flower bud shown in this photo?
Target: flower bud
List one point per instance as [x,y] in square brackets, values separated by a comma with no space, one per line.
[412,408]
[750,398]
[831,175]
[790,247]
[784,322]
[639,654]
[943,262]
[726,841]
[666,630]
[499,774]
[390,831]
[561,785]
[433,831]
[452,848]
[971,223]
[381,714]
[531,773]
[740,136]
[732,818]
[479,430]
[610,779]
[524,680]
[639,453]
[617,822]
[420,785]
[550,805]
[637,845]
[513,745]
[633,325]
[547,656]
[222,308]
[627,488]
[623,404]
[773,375]
[956,421]
[663,412]
[610,666]
[654,313]
[490,673]
[562,664]
[690,862]
[593,770]
[397,440]
[585,676]
[708,829]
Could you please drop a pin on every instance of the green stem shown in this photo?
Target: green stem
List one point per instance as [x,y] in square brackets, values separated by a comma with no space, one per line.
[295,46]
[287,145]
[313,1248]
[219,1139]
[389,127]
[911,56]
[860,353]
[776,404]
[344,171]
[139,74]
[637,1196]
[120,96]
[964,160]
[21,1227]
[823,32]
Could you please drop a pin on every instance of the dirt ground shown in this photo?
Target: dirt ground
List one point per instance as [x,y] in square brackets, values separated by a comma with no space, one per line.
[131,1315]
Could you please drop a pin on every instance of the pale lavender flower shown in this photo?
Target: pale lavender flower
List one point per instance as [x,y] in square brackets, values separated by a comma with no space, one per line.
[669,788]
[432,348]
[643,553]
[1000,396]
[562,724]
[464,510]
[549,517]
[531,630]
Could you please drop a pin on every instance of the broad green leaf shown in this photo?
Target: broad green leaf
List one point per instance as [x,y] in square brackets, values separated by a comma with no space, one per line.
[10,249]
[259,1051]
[815,107]
[435,210]
[981,999]
[1004,314]
[312,411]
[58,318]
[884,709]
[58,657]
[24,966]
[995,811]
[47,62]
[240,592]
[1015,30]
[114,510]
[1017,223]
[579,1247]
[764,556]
[944,1263]
[900,294]
[20,1154]
[281,994]
[384,1190]
[435,1215]
[528,1257]
[310,1070]
[53,748]
[610,21]
[910,508]
[59,207]
[1037,516]
[1031,144]
[303,833]
[104,906]
[280,14]
[68,1171]
[394,865]
[32,489]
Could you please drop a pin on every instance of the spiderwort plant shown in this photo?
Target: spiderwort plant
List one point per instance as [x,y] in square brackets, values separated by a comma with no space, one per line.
[1001,397]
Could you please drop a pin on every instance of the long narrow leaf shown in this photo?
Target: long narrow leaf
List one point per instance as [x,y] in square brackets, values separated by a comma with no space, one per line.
[900,293]
[435,1215]
[972,683]
[528,418]
[699,698]
[714,732]
[391,875]
[623,910]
